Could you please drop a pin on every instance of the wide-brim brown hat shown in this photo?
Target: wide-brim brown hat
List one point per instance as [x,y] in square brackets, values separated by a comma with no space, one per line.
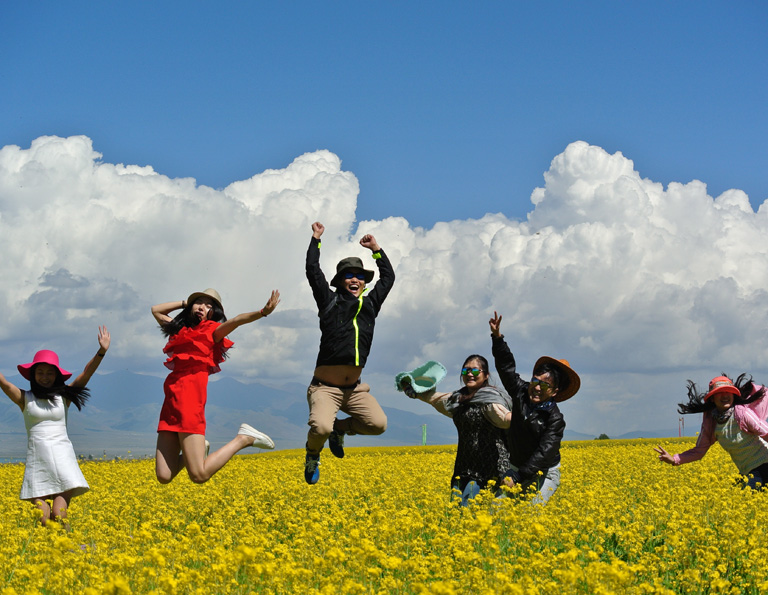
[574,382]
[210,292]
[347,264]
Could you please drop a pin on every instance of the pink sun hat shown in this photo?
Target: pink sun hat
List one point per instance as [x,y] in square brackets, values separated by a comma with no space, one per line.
[44,356]
[721,384]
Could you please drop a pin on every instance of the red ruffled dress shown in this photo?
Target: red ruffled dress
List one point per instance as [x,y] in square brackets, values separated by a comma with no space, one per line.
[192,357]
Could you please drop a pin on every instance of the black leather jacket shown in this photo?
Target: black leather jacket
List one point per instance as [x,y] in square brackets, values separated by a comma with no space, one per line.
[346,322]
[534,435]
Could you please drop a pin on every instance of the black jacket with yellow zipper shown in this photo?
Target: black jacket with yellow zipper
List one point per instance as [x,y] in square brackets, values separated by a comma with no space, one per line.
[346,322]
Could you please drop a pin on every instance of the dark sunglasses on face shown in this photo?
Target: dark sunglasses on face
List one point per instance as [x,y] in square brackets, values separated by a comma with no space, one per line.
[541,383]
[359,276]
[474,371]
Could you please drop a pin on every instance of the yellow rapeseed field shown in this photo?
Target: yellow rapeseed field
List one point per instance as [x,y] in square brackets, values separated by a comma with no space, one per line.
[380,521]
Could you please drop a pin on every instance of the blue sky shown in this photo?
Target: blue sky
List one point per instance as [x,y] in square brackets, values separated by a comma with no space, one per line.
[153,149]
[442,110]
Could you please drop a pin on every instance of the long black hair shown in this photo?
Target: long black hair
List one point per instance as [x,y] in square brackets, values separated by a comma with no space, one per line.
[697,404]
[74,394]
[185,318]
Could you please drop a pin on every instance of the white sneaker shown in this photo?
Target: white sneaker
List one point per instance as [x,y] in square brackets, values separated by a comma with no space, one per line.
[260,440]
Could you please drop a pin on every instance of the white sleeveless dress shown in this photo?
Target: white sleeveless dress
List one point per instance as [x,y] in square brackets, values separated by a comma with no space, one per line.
[51,466]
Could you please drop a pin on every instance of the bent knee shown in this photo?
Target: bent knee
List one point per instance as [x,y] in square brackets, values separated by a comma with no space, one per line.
[198,477]
[163,479]
[321,430]
[379,428]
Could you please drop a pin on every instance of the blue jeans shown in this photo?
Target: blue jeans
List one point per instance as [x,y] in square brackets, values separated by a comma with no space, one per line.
[464,489]
[759,476]
[548,486]
[545,485]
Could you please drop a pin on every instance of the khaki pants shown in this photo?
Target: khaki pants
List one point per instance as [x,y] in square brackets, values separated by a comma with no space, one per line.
[366,415]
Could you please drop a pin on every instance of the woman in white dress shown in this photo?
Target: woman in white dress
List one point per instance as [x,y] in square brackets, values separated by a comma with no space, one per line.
[51,471]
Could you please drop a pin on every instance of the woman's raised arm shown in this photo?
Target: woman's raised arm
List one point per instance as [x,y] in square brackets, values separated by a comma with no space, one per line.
[13,392]
[161,311]
[227,327]
[95,361]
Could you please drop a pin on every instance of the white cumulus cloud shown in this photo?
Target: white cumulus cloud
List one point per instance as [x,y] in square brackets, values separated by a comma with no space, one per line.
[639,286]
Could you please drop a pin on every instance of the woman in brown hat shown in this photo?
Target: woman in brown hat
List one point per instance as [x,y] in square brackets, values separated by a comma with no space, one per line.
[197,344]
[735,416]
[51,471]
[536,424]
[347,318]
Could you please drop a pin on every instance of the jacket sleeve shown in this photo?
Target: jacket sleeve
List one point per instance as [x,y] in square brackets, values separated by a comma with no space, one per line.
[750,422]
[497,415]
[506,368]
[437,400]
[705,440]
[321,291]
[758,411]
[548,447]
[385,282]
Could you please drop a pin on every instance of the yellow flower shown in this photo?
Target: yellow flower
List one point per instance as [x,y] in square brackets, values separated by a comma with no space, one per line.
[380,521]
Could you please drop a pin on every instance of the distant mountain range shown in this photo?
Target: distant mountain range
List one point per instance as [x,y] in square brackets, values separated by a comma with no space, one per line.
[123,412]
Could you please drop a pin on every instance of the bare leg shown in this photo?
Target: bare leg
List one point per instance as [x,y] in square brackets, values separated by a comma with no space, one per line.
[200,468]
[168,460]
[45,509]
[60,505]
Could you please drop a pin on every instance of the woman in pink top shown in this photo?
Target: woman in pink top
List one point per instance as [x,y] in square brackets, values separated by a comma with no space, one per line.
[735,416]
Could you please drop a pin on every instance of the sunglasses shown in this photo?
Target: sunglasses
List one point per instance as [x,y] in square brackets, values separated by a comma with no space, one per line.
[474,371]
[359,276]
[540,383]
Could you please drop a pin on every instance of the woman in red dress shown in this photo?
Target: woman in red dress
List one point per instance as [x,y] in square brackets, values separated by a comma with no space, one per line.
[197,344]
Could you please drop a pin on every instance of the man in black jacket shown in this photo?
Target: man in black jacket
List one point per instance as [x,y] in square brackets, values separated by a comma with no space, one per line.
[347,319]
[536,424]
